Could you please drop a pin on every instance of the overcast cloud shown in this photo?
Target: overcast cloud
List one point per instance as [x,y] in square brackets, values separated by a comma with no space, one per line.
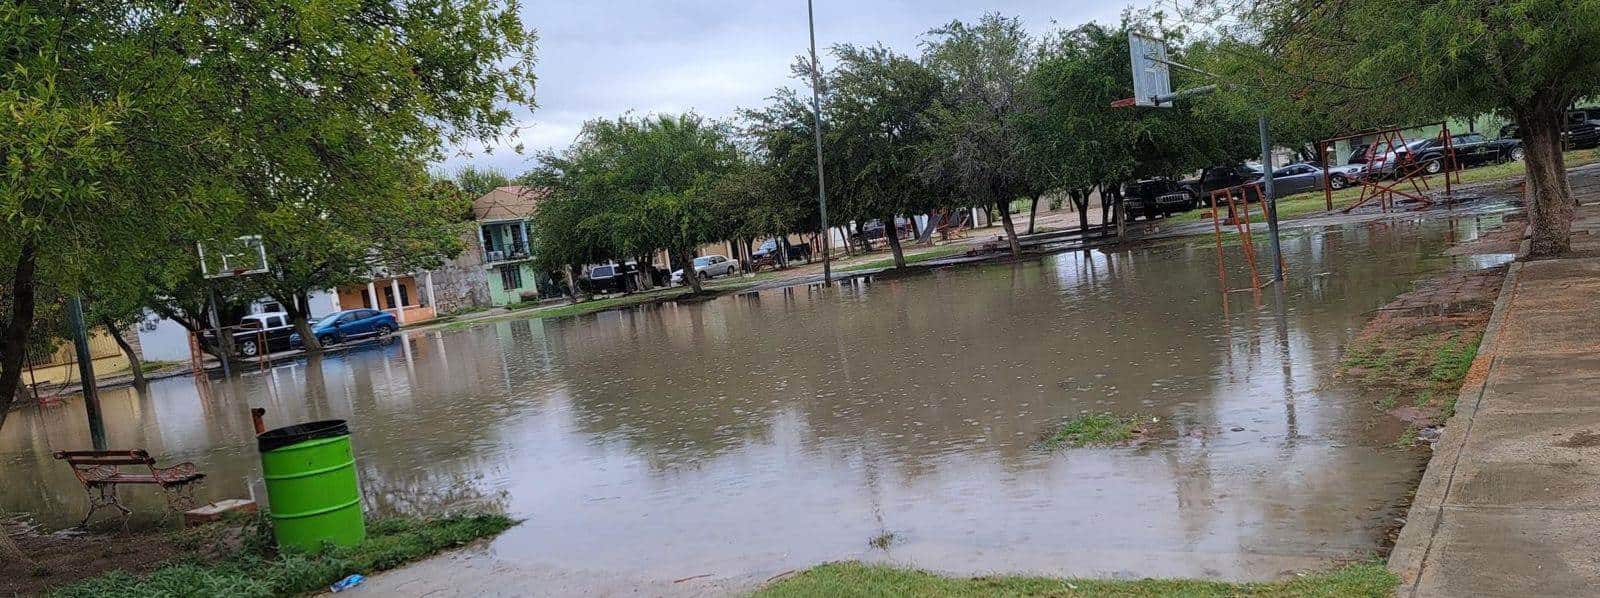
[604,58]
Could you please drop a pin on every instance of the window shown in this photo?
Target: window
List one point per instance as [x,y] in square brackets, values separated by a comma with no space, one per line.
[388,296]
[511,278]
[275,322]
[366,313]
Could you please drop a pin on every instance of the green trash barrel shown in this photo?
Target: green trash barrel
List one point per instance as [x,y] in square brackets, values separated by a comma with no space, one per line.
[311,485]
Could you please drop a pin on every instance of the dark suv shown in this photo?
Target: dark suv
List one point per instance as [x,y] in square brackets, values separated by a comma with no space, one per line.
[1220,177]
[1581,131]
[1155,196]
[1471,149]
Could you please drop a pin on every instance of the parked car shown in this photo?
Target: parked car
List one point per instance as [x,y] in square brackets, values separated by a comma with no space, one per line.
[1471,149]
[709,266]
[1305,176]
[610,278]
[350,324]
[1379,160]
[1220,177]
[273,326]
[1581,131]
[797,251]
[1161,196]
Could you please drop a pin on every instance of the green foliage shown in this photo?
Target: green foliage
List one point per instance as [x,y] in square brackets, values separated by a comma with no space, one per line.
[1093,429]
[856,579]
[878,129]
[977,145]
[631,186]
[1080,141]
[476,182]
[256,571]
[1411,61]
[131,131]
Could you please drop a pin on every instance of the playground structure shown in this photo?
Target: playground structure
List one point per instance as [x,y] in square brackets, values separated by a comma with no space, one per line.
[1237,200]
[1392,169]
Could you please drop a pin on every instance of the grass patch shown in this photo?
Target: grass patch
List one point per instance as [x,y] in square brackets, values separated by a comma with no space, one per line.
[1095,429]
[856,579]
[152,365]
[257,570]
[942,251]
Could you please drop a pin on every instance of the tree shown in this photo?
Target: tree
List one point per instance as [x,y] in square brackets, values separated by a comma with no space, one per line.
[977,144]
[328,244]
[1403,61]
[782,140]
[477,182]
[634,185]
[879,130]
[203,121]
[1077,141]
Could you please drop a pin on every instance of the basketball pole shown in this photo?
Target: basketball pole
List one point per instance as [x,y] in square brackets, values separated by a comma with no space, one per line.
[91,395]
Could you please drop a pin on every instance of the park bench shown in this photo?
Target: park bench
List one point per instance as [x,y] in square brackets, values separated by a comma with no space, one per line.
[101,472]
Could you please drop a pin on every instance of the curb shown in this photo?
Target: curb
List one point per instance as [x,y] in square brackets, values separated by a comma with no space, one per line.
[1413,546]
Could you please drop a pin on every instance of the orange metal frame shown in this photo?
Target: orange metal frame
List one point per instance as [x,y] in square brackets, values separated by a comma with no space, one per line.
[1238,202]
[1406,168]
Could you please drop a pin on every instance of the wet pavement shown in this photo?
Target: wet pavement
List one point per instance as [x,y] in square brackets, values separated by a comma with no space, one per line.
[743,437]
[1508,504]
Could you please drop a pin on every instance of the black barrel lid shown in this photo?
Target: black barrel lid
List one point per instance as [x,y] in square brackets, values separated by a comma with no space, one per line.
[298,433]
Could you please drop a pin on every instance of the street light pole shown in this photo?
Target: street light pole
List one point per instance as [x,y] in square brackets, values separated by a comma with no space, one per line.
[816,113]
[1271,201]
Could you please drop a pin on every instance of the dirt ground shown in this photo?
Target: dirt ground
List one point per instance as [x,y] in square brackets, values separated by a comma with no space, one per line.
[66,557]
[1413,355]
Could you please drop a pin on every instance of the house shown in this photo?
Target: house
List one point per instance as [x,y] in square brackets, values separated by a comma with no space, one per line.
[409,297]
[502,248]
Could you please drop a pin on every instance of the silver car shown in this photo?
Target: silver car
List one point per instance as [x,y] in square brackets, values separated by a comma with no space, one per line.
[1300,178]
[709,266]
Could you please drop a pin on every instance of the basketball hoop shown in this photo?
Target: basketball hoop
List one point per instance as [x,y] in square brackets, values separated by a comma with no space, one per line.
[240,257]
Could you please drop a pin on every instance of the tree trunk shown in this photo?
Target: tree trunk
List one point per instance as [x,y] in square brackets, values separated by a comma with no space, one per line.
[781,245]
[690,277]
[1080,203]
[1011,230]
[1033,212]
[645,268]
[1119,211]
[134,363]
[299,308]
[14,345]
[578,294]
[1549,199]
[844,233]
[892,233]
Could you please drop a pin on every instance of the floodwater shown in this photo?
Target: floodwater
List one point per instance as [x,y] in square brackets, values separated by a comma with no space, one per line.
[759,433]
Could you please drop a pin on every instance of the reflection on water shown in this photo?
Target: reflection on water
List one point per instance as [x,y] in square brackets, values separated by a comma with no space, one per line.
[763,432]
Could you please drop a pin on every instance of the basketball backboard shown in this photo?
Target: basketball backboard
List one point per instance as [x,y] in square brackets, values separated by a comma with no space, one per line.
[1151,77]
[240,257]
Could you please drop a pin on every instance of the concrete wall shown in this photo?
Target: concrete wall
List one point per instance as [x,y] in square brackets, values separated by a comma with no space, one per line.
[463,282]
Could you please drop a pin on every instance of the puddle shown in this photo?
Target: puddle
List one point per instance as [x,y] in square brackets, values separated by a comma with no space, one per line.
[770,431]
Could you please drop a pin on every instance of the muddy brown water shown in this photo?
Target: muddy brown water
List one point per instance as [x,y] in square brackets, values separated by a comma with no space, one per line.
[759,433]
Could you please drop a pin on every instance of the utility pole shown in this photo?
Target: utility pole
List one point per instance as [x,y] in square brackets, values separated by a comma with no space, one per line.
[91,397]
[816,113]
[1271,201]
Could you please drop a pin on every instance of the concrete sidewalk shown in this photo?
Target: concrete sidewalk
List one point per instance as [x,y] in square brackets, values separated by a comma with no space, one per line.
[1510,503]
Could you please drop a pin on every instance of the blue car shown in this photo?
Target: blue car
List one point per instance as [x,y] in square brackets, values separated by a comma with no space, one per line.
[350,324]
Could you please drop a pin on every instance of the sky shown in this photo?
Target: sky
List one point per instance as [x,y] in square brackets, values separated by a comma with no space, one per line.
[603,58]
